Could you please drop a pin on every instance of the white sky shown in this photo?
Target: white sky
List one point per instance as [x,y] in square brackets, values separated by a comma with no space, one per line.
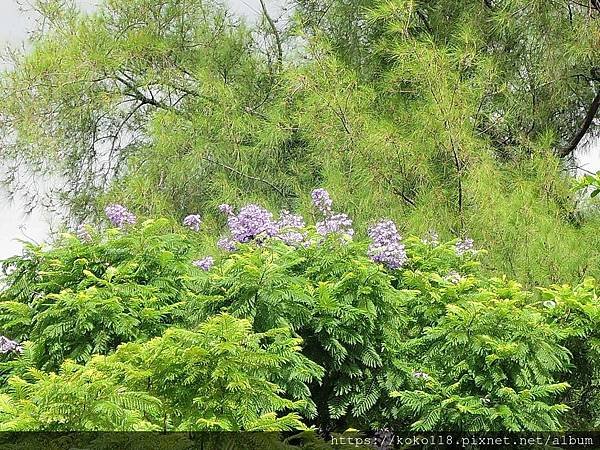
[14,224]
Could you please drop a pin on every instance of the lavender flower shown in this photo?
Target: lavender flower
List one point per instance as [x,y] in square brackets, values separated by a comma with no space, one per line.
[193,221]
[464,246]
[252,222]
[289,220]
[119,215]
[453,277]
[204,263]
[332,222]
[335,223]
[321,200]
[83,234]
[422,375]
[289,226]
[7,346]
[392,255]
[384,232]
[226,244]
[386,247]
[431,238]
[226,209]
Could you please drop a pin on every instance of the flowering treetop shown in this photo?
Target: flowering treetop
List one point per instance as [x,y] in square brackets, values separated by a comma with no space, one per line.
[254,223]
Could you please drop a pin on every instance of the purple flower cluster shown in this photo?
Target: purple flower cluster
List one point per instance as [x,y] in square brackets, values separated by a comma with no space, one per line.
[384,232]
[8,346]
[250,223]
[335,223]
[119,216]
[256,223]
[289,228]
[205,263]
[321,200]
[464,246]
[386,247]
[332,222]
[193,222]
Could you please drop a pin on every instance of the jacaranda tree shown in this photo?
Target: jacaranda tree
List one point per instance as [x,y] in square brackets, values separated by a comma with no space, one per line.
[283,324]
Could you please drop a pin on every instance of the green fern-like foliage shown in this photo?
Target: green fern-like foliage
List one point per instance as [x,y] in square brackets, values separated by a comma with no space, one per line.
[483,355]
[218,377]
[76,398]
[79,297]
[489,363]
[276,337]
[344,307]
[576,311]
[416,346]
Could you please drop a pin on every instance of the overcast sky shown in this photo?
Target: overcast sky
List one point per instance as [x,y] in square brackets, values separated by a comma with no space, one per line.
[14,224]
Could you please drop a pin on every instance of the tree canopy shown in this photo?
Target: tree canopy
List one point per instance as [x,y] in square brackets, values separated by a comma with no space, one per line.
[292,325]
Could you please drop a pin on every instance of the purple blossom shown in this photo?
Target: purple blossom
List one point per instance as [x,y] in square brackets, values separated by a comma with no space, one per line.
[7,346]
[384,232]
[205,263]
[292,238]
[464,246]
[289,228]
[338,223]
[431,238]
[226,244]
[392,255]
[83,234]
[321,200]
[193,221]
[289,220]
[226,209]
[252,222]
[453,277]
[335,223]
[386,247]
[119,216]
[422,375]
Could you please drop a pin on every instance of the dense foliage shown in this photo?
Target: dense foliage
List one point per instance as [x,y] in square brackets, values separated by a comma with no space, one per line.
[460,117]
[85,299]
[125,329]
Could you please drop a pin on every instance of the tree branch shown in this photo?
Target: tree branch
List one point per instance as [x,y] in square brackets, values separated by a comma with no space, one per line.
[137,94]
[250,177]
[589,119]
[275,33]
